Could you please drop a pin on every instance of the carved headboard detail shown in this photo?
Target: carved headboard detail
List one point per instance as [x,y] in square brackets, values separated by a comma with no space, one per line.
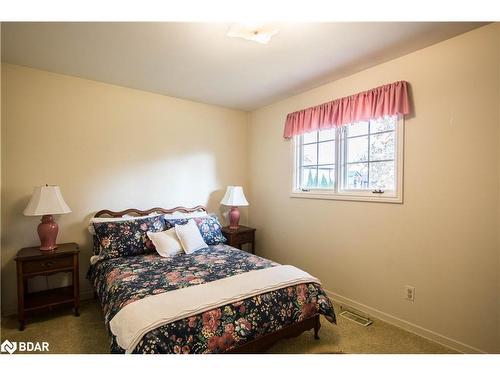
[135,211]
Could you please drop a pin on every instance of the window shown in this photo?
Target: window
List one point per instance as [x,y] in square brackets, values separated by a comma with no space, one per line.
[361,161]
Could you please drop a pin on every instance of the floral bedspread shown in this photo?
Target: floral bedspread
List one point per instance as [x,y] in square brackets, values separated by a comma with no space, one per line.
[121,281]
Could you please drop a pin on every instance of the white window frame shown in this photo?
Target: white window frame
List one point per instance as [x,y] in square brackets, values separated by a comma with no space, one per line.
[352,195]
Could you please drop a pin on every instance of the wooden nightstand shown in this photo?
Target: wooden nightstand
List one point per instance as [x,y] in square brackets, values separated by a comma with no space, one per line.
[240,236]
[32,262]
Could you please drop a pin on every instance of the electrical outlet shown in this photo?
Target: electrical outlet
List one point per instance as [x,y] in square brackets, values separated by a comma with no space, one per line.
[409,293]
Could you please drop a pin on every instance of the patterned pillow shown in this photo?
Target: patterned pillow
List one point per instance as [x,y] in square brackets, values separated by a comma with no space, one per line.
[209,227]
[127,238]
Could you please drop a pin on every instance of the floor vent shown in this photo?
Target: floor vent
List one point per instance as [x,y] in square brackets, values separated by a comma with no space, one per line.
[356,318]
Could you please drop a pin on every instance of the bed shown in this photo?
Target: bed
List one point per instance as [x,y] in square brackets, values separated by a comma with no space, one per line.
[250,325]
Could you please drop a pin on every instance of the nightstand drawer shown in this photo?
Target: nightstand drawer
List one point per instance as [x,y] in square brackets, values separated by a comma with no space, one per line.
[245,237]
[32,262]
[49,264]
[240,236]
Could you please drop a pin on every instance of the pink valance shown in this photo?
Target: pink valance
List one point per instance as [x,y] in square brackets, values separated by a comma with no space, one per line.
[386,100]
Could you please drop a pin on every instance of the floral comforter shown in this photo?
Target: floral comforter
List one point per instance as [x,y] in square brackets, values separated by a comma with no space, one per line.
[121,281]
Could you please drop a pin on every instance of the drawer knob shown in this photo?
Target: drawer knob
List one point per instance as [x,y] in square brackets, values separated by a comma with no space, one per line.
[48,264]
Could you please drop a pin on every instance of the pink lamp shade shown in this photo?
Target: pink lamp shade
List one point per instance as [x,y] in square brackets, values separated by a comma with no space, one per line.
[47,201]
[234,197]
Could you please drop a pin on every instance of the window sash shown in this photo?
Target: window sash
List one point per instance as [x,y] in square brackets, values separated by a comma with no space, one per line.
[340,188]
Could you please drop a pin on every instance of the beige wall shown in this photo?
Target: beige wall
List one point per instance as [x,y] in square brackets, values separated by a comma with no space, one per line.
[498,27]
[444,238]
[107,147]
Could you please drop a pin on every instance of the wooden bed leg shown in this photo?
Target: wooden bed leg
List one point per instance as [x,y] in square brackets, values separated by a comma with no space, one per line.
[317,326]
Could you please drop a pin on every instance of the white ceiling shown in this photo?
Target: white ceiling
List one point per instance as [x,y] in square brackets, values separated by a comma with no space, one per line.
[197,61]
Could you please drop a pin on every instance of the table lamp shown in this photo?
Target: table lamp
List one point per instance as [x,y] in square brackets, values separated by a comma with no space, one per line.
[234,197]
[47,201]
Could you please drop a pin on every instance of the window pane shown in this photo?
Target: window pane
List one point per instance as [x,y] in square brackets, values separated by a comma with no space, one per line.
[367,159]
[309,178]
[326,152]
[358,128]
[325,135]
[382,175]
[382,146]
[383,124]
[310,137]
[309,154]
[357,176]
[357,149]
[326,177]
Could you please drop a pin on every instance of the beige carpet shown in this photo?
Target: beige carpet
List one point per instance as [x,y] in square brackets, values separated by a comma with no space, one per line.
[87,334]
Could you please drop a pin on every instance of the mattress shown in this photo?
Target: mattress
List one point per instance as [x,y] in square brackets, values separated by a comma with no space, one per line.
[121,281]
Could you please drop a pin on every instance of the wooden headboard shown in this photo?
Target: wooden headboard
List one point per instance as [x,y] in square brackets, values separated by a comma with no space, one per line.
[135,211]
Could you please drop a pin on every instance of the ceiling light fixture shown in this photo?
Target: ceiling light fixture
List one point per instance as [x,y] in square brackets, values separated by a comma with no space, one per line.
[256,32]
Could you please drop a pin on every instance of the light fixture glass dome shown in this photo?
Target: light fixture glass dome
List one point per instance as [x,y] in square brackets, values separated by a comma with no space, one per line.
[256,32]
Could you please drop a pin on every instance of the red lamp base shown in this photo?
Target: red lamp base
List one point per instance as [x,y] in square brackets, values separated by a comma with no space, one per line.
[47,231]
[234,218]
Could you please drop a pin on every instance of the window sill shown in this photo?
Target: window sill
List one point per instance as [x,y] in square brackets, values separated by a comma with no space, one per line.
[346,197]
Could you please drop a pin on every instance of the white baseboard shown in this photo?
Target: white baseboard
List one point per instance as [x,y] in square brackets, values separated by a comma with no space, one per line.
[370,311]
[84,295]
[407,326]
[9,311]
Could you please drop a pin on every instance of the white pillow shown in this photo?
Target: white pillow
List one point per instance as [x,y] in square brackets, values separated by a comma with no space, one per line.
[190,237]
[166,242]
[185,215]
[113,219]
